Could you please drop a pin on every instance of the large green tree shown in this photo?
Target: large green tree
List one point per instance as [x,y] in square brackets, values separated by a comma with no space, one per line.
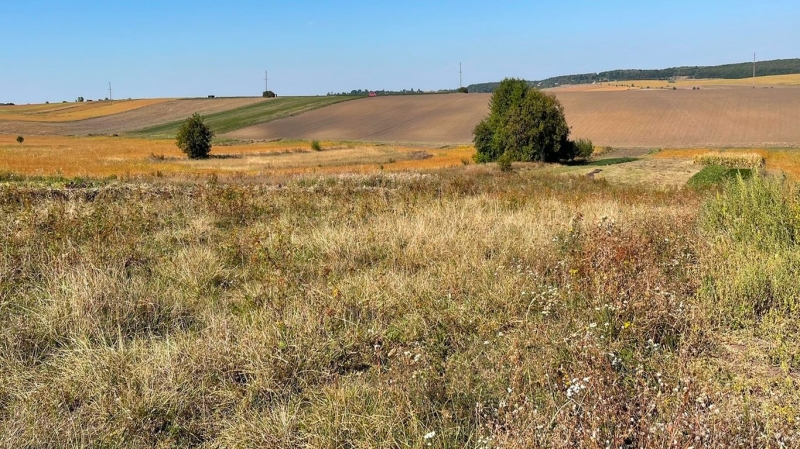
[194,137]
[524,123]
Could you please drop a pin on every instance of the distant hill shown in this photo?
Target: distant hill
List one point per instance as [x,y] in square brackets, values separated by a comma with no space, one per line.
[727,71]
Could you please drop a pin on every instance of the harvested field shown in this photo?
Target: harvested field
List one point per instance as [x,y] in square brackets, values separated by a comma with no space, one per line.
[761,81]
[67,112]
[146,116]
[101,156]
[647,118]
[422,118]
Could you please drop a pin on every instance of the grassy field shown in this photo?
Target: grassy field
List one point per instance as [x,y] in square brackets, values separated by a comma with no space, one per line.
[66,112]
[226,121]
[454,308]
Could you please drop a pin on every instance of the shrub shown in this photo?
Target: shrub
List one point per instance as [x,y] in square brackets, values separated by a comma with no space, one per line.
[316,146]
[20,139]
[463,90]
[194,137]
[753,260]
[268,94]
[504,163]
[524,122]
[583,148]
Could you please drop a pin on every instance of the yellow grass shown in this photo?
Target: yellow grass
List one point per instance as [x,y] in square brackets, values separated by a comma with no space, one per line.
[783,160]
[729,159]
[105,156]
[67,112]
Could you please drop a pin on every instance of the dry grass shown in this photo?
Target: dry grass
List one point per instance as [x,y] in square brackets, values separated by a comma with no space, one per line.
[730,159]
[67,112]
[462,308]
[107,156]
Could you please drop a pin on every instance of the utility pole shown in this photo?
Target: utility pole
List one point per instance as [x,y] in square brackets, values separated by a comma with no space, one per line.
[266,81]
[109,93]
[460,78]
[754,70]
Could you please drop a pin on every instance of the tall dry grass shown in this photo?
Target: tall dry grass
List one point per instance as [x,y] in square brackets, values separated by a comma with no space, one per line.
[462,308]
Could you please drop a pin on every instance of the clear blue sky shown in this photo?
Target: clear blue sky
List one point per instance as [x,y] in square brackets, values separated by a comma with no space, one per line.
[58,50]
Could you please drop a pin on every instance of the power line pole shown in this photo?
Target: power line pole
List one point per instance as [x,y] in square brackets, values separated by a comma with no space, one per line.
[460,77]
[266,81]
[110,98]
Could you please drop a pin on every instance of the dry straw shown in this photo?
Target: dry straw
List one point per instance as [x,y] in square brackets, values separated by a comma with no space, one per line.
[732,160]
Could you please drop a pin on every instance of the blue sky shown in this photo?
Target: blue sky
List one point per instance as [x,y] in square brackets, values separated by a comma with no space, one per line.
[59,50]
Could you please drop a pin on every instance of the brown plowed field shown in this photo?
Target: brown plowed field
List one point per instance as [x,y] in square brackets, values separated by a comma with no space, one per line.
[413,118]
[637,118]
[150,115]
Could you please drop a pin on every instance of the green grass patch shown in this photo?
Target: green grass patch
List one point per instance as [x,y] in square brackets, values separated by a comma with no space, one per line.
[713,175]
[263,112]
[612,161]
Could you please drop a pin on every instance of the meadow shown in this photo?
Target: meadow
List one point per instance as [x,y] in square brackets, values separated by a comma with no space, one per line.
[459,307]
[391,295]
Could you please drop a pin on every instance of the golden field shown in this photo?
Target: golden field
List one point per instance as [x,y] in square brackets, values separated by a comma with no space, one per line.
[106,156]
[68,112]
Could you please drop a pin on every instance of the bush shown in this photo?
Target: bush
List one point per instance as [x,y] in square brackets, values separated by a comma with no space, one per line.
[753,260]
[463,90]
[504,163]
[524,122]
[316,146]
[583,148]
[20,139]
[268,94]
[194,137]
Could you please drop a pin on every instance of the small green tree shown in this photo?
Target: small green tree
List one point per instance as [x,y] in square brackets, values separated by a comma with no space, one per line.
[268,94]
[316,146]
[194,137]
[20,139]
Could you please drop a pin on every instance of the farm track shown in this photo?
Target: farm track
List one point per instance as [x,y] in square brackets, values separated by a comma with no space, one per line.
[637,118]
[151,115]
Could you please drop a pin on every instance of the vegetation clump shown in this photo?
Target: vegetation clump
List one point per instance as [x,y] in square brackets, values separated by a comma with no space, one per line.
[194,137]
[316,145]
[730,159]
[527,125]
[20,139]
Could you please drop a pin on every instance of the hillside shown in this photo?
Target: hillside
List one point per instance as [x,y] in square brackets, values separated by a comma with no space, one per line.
[727,71]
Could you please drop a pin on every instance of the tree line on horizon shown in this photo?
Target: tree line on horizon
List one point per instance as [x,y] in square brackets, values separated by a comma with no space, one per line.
[726,71]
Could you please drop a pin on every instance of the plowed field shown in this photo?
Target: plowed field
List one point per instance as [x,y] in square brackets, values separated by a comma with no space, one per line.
[637,118]
[414,118]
